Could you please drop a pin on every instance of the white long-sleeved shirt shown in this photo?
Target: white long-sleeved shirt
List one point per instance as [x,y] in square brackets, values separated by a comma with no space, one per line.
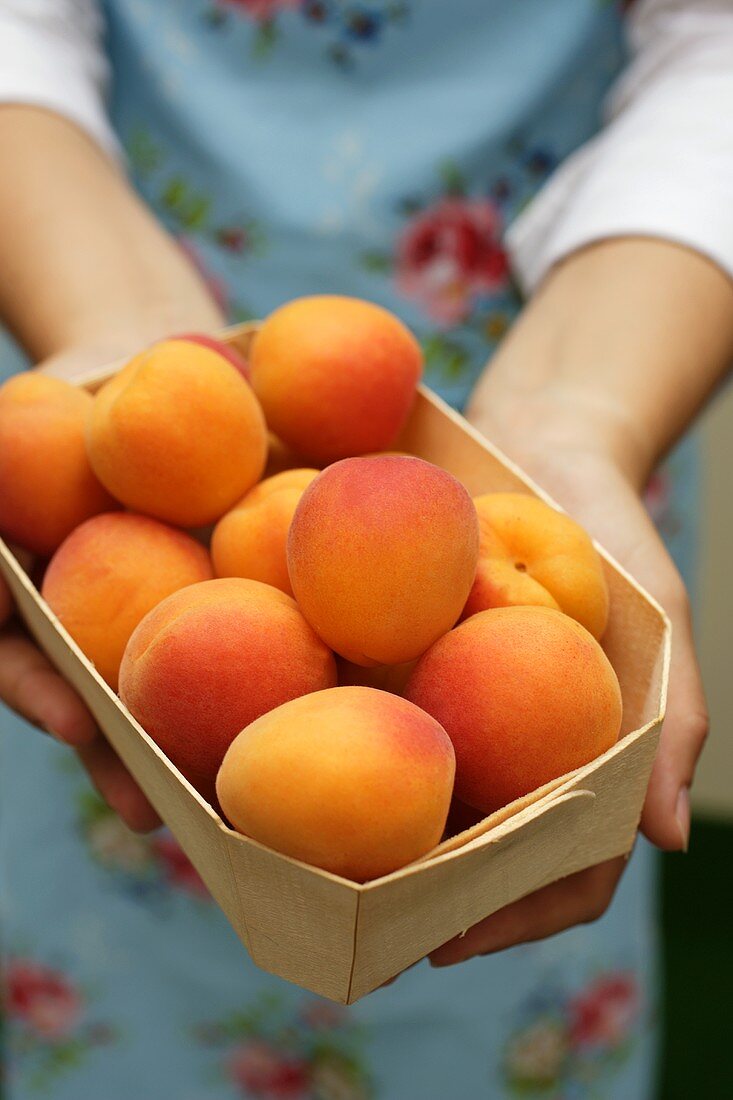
[662,166]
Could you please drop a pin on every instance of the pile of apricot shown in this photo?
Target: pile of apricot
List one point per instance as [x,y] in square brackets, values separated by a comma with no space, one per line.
[332,654]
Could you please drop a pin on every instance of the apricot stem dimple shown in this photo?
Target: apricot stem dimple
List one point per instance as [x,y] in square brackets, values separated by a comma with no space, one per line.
[520,566]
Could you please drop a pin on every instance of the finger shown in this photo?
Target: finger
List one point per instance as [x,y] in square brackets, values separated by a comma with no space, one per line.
[31,686]
[578,899]
[666,815]
[117,787]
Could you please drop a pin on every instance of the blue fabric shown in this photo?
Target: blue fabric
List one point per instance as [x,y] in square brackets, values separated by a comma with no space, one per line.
[377,149]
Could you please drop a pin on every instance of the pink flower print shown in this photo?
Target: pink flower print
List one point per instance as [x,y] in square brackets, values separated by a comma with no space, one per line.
[42,998]
[261,10]
[603,1014]
[261,1070]
[177,867]
[450,255]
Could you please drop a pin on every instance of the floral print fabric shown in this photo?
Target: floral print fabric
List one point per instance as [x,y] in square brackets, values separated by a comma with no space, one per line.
[378,148]
[343,26]
[572,1041]
[49,1019]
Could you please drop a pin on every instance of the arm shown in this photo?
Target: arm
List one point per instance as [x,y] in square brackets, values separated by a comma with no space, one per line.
[621,346]
[87,276]
[606,368]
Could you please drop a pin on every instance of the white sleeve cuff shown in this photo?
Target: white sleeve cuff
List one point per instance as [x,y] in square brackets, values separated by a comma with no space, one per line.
[663,167]
[52,56]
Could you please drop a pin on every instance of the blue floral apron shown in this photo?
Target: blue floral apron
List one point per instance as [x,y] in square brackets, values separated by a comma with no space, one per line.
[376,148]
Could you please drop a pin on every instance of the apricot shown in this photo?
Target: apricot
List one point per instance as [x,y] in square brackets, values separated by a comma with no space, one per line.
[532,554]
[178,434]
[336,376]
[209,660]
[352,780]
[296,481]
[47,487]
[382,553]
[526,694]
[251,540]
[110,572]
[226,350]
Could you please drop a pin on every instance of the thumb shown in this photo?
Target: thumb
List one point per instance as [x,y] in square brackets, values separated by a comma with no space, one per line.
[666,816]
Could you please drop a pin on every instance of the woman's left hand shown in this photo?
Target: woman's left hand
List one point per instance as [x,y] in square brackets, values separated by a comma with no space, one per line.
[595,491]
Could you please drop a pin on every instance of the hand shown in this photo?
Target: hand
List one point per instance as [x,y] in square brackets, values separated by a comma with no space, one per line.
[579,470]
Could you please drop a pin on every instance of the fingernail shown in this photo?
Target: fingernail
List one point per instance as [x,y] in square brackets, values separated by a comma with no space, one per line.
[682,814]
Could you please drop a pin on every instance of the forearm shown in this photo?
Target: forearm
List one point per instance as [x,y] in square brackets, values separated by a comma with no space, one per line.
[619,349]
[82,261]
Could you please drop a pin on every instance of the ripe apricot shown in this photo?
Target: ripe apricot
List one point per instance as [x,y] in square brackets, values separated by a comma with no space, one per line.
[178,434]
[251,540]
[352,780]
[336,376]
[531,553]
[526,694]
[382,553]
[211,659]
[47,486]
[110,572]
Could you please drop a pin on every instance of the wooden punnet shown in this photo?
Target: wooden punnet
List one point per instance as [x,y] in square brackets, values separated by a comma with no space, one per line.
[341,939]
